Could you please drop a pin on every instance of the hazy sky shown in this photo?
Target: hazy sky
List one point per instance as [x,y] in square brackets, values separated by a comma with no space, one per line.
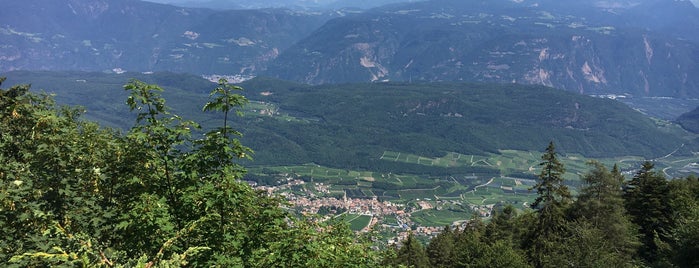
[696,2]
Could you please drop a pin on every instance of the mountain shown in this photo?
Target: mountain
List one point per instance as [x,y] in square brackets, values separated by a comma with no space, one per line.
[352,125]
[639,48]
[645,48]
[690,120]
[105,35]
[290,4]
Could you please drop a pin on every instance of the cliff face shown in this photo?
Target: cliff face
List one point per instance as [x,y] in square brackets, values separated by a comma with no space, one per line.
[638,48]
[596,51]
[141,36]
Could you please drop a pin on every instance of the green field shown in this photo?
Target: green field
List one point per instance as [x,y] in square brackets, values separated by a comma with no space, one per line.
[438,218]
[527,162]
[518,173]
[357,222]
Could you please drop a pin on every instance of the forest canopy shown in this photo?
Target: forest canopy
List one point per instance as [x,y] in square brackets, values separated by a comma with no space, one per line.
[74,193]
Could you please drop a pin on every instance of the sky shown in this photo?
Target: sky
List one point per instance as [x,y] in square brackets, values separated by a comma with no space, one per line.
[695,2]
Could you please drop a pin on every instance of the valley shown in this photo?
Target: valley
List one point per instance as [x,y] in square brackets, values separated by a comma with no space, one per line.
[399,203]
[395,187]
[333,133]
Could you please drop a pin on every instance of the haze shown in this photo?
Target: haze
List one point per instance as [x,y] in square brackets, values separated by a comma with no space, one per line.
[277,3]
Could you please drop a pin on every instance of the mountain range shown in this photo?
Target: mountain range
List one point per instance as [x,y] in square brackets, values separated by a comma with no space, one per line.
[290,4]
[632,48]
[570,45]
[115,35]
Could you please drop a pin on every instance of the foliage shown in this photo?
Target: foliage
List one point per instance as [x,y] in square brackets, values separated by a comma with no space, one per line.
[166,194]
[441,249]
[350,126]
[647,200]
[411,254]
[471,247]
[76,194]
[550,205]
[684,201]
[600,209]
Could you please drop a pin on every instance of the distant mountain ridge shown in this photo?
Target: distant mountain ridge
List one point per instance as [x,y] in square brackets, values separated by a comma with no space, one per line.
[325,4]
[637,48]
[291,4]
[599,50]
[102,35]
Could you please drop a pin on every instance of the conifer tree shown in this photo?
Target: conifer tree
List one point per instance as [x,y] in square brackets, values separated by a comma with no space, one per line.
[685,203]
[553,197]
[502,225]
[412,253]
[440,250]
[474,249]
[603,228]
[646,198]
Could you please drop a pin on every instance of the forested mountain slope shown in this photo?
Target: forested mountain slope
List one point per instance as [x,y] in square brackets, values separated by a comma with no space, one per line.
[355,123]
[351,125]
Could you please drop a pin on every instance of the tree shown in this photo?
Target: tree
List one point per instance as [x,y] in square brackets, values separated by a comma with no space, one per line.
[474,249]
[553,197]
[52,180]
[440,250]
[686,234]
[684,200]
[502,226]
[173,199]
[601,233]
[551,192]
[412,254]
[646,198]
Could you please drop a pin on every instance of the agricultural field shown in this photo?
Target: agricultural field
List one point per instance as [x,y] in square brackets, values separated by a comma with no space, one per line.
[357,222]
[439,218]
[518,170]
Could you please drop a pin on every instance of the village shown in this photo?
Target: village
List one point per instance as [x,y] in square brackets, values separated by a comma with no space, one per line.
[329,206]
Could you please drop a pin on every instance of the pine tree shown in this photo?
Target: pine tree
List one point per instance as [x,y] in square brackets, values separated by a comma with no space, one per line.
[412,253]
[685,203]
[603,226]
[553,197]
[646,198]
[441,249]
[502,225]
[474,249]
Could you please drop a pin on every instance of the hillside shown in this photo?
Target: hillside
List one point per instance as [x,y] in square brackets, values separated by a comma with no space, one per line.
[635,48]
[648,49]
[94,194]
[690,120]
[131,35]
[351,125]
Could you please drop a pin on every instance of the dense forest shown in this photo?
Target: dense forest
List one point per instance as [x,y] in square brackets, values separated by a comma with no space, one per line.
[165,194]
[351,125]
[76,194]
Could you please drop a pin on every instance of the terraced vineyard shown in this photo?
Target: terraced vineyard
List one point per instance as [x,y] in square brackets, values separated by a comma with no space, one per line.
[517,174]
